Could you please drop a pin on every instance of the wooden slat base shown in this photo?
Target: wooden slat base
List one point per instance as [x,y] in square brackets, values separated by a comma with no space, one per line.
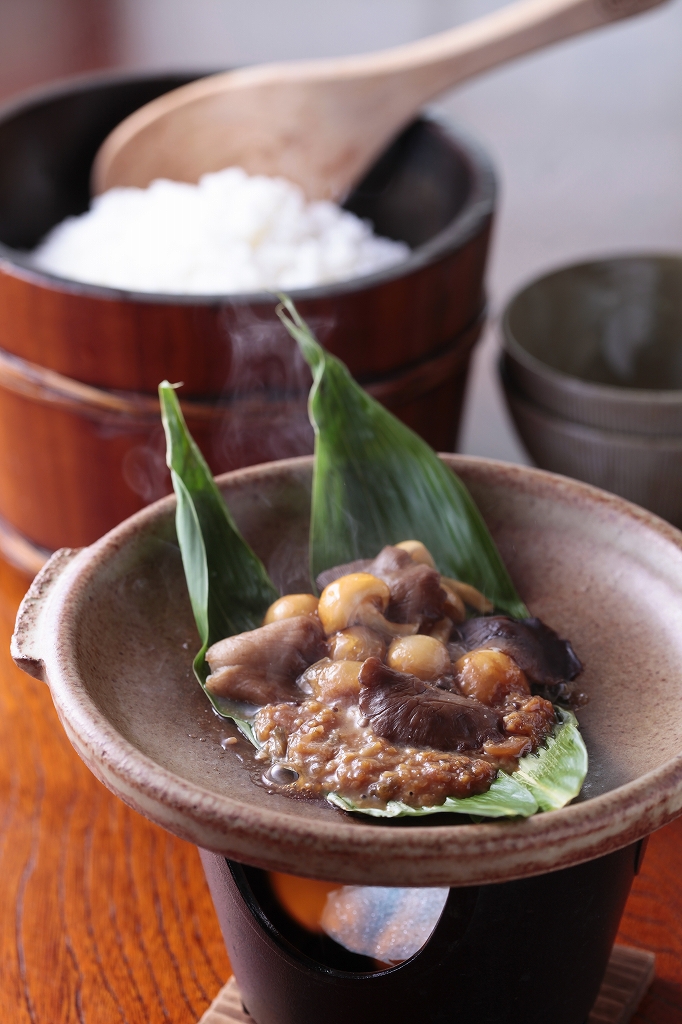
[226,1008]
[628,976]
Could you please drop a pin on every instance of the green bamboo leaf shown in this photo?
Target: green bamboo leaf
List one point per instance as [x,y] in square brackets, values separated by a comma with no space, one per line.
[376,482]
[555,774]
[229,588]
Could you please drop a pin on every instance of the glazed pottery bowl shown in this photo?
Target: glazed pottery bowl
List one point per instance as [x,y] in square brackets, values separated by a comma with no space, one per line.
[110,630]
[600,344]
[645,468]
[80,442]
[592,374]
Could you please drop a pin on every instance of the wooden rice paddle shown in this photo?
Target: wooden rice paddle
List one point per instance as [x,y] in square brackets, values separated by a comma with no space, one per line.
[321,123]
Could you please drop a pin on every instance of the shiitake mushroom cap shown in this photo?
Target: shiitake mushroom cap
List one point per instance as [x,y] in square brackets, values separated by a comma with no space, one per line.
[406,710]
[540,653]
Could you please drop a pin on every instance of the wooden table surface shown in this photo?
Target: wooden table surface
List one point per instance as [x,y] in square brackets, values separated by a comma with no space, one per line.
[105,918]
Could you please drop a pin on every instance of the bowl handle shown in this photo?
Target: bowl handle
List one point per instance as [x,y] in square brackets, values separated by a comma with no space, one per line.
[25,645]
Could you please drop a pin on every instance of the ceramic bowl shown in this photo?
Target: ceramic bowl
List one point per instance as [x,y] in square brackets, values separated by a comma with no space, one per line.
[644,468]
[110,630]
[600,344]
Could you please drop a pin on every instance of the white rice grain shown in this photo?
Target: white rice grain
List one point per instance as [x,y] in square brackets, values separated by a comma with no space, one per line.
[229,233]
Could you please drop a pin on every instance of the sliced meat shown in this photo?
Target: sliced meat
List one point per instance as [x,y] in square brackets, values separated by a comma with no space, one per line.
[416,591]
[548,661]
[262,665]
[406,710]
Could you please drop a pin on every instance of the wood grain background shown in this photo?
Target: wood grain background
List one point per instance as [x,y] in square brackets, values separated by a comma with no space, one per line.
[105,918]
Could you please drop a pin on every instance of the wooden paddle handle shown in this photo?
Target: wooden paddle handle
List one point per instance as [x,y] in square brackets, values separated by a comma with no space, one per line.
[441,61]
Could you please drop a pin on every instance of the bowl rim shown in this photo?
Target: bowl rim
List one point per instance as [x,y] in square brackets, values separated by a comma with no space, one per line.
[586,431]
[477,207]
[340,848]
[578,387]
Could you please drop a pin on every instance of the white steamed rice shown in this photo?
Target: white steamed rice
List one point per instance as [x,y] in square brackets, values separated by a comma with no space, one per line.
[230,233]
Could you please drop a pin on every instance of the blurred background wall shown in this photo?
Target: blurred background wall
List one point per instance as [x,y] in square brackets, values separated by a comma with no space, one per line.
[586,137]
